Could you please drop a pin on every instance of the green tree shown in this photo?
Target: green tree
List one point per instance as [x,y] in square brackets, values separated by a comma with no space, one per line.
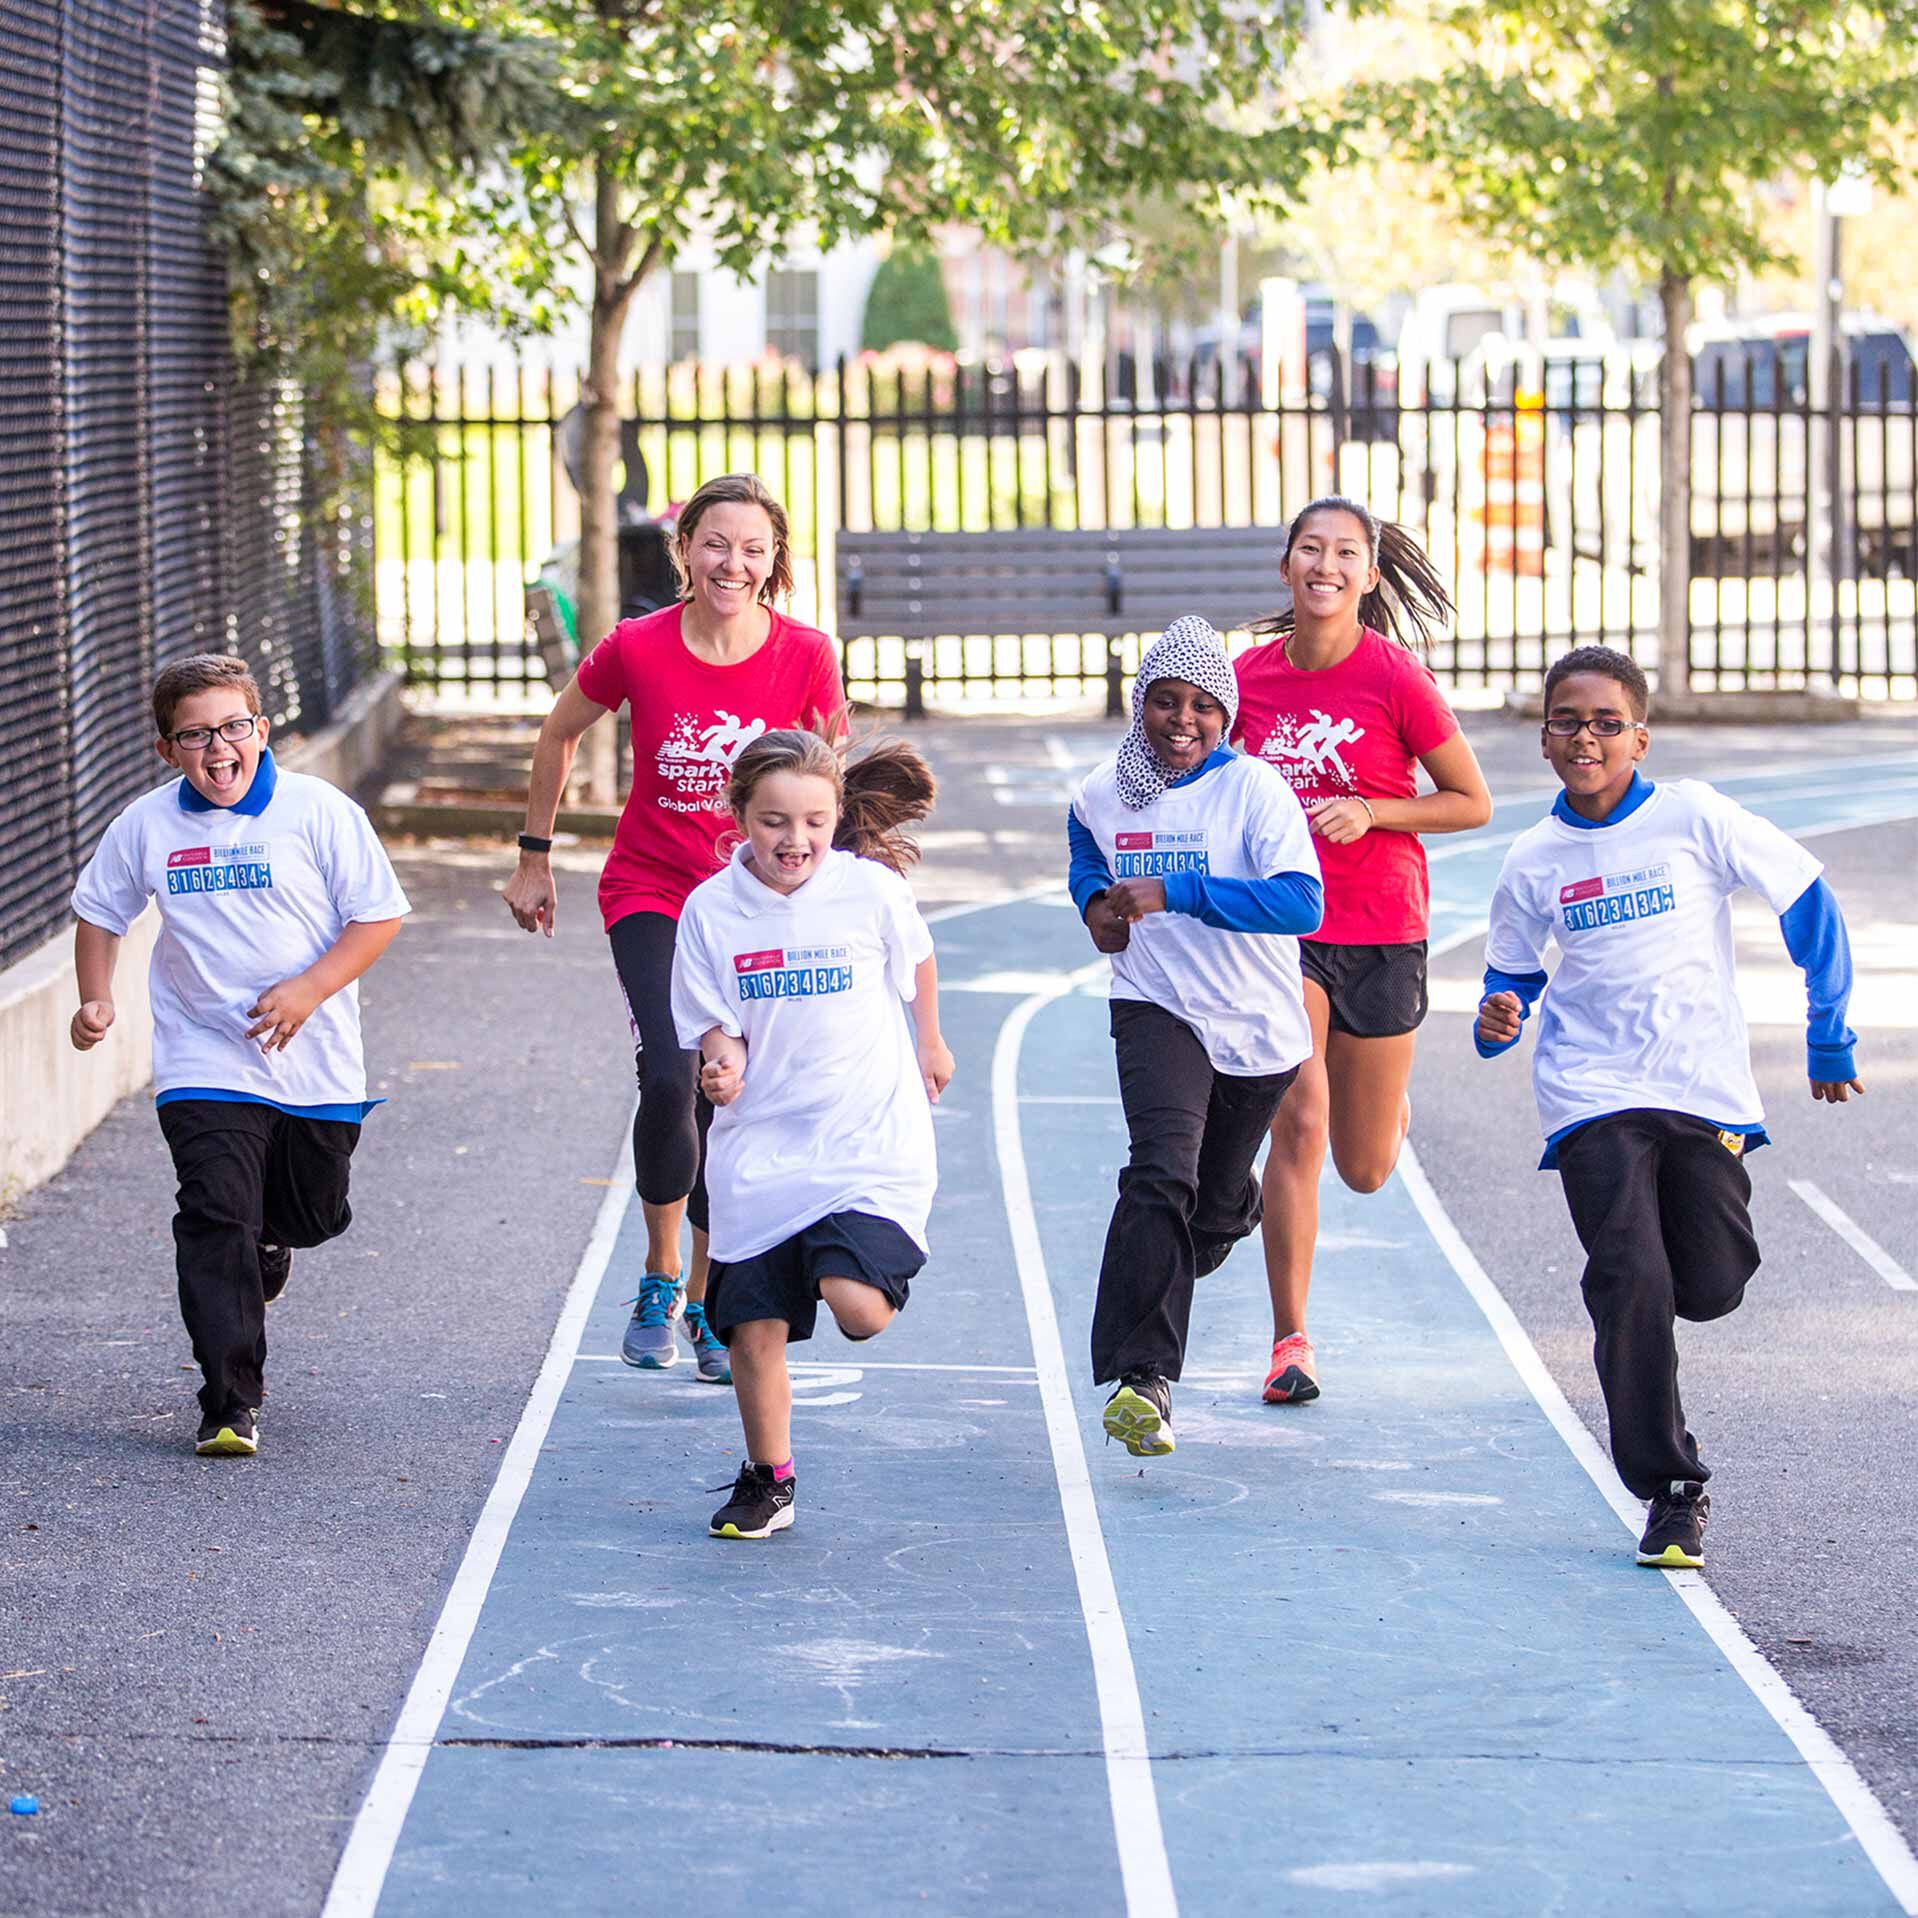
[771,120]
[907,302]
[1635,134]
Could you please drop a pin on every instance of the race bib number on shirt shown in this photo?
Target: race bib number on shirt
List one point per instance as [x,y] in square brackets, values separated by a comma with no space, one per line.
[203,869]
[1617,899]
[793,972]
[1151,855]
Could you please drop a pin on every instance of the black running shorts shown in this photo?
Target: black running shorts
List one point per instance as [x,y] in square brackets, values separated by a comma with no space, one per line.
[1376,992]
[783,1282]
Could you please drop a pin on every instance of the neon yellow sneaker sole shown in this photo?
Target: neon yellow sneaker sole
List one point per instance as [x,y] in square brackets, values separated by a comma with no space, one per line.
[1674,1558]
[1132,1419]
[227,1443]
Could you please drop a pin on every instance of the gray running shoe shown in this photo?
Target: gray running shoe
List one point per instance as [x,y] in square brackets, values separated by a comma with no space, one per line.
[709,1352]
[649,1336]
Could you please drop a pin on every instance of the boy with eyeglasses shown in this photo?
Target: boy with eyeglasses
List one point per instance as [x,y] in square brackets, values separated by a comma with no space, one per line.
[1642,1068]
[275,895]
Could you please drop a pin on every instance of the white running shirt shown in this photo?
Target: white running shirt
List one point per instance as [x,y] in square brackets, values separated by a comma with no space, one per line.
[247,900]
[832,1114]
[1642,1010]
[1239,991]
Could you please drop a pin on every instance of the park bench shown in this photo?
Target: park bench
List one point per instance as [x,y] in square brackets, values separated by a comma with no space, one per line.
[1052,582]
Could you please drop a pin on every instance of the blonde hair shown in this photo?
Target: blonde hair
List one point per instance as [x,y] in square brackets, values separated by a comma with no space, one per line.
[886,789]
[737,489]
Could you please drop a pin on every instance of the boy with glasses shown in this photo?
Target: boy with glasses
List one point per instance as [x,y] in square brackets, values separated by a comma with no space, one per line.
[275,896]
[1642,1069]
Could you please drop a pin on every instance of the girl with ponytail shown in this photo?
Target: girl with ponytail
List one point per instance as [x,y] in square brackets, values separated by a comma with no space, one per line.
[788,980]
[1339,701]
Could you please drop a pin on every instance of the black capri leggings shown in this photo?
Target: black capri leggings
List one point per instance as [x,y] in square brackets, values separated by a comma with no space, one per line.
[669,1130]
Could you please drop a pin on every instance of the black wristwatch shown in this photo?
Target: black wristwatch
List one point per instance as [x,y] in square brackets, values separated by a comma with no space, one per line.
[532,842]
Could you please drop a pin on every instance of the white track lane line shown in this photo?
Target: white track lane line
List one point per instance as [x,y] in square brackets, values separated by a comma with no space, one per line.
[1143,1864]
[358,1881]
[1881,1840]
[1855,1236]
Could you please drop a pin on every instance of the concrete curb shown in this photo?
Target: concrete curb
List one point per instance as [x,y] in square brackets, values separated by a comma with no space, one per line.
[53,1101]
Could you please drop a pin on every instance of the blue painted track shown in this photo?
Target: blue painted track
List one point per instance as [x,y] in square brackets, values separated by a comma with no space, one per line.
[1391,1649]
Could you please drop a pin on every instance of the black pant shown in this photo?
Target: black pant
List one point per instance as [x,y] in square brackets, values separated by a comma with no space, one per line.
[669,1129]
[247,1173]
[1187,1195]
[1660,1205]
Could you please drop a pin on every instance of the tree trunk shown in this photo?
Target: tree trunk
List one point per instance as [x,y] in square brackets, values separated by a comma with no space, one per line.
[1675,494]
[599,455]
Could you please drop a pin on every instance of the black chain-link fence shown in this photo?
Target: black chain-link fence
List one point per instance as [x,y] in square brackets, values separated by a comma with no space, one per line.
[152,503]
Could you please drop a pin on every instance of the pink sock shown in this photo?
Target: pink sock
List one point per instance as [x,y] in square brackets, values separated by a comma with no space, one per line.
[782,1472]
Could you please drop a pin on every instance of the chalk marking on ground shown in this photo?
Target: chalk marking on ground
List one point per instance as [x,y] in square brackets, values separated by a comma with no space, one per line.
[361,1874]
[1855,1236]
[1880,1839]
[1143,1864]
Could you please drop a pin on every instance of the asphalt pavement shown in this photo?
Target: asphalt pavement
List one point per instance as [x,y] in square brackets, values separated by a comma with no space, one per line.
[200,1659]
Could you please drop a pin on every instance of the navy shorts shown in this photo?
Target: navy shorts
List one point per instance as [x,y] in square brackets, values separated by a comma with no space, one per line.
[783,1281]
[1375,992]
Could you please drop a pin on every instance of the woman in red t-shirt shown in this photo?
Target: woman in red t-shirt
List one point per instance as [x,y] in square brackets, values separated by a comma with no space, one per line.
[1349,715]
[701,680]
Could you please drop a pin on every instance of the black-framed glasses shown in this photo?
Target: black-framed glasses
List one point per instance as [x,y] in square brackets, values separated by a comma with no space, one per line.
[194,738]
[1561,726]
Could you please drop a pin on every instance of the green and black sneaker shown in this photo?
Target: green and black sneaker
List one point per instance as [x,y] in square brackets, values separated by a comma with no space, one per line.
[1139,1415]
[232,1435]
[1674,1538]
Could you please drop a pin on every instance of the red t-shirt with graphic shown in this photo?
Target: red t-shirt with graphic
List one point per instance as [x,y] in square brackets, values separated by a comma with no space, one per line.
[690,720]
[1356,729]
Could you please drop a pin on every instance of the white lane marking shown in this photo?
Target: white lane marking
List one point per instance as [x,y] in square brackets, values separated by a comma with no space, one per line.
[376,1830]
[1143,1865]
[1070,1099]
[797,1366]
[940,914]
[1880,1839]
[1855,1236]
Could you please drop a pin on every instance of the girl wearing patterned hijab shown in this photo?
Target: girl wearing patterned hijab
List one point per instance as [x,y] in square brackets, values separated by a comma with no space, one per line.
[1193,869]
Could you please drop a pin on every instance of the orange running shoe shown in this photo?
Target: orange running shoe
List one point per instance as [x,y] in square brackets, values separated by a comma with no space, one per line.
[1294,1375]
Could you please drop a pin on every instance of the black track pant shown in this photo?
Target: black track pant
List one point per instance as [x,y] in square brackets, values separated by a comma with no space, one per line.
[1186,1195]
[669,1130]
[1660,1204]
[247,1173]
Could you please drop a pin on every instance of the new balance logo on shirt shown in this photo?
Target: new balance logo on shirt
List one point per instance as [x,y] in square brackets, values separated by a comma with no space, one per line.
[793,973]
[1618,899]
[1151,855]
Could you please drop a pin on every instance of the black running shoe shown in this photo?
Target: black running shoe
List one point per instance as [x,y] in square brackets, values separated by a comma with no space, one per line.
[232,1435]
[1139,1415]
[760,1505]
[1675,1531]
[276,1267]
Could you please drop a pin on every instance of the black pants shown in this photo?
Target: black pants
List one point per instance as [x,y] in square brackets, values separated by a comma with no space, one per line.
[1661,1207]
[669,1129]
[1187,1195]
[247,1173]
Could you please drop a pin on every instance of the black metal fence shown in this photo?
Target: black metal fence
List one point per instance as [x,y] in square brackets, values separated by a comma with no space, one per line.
[1534,484]
[150,504]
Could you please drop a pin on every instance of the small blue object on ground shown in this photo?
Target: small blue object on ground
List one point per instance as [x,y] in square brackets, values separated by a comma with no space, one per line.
[24,1806]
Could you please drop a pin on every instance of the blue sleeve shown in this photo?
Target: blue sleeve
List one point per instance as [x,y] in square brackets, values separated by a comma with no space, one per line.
[1286,902]
[1527,985]
[1087,874]
[1814,930]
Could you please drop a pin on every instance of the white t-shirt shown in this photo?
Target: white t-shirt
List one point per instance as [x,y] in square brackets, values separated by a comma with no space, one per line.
[1239,991]
[1642,1009]
[248,898]
[832,1114]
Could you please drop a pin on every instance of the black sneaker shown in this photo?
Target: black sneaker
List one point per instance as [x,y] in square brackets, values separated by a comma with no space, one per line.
[1675,1530]
[231,1435]
[276,1267]
[760,1505]
[1139,1415]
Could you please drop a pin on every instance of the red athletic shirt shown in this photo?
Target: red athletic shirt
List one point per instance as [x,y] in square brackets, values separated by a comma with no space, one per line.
[1356,729]
[690,720]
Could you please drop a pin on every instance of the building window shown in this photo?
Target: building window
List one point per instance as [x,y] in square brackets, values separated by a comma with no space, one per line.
[792,314]
[683,340]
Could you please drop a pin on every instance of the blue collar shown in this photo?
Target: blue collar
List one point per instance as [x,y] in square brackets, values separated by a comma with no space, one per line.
[1217,757]
[1636,794]
[254,800]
